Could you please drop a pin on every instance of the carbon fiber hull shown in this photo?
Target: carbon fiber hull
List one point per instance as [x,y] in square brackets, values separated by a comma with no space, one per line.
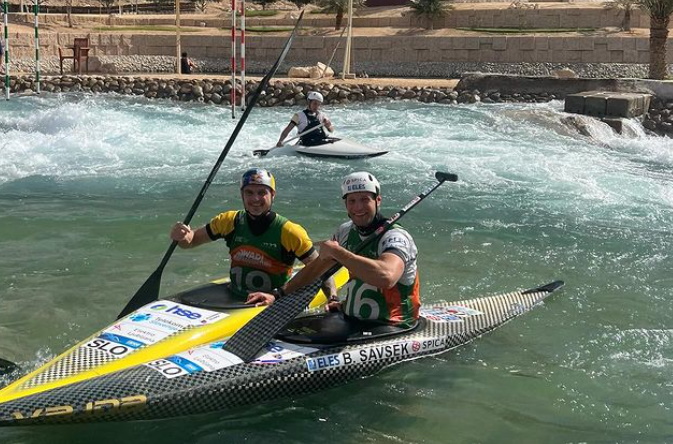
[206,378]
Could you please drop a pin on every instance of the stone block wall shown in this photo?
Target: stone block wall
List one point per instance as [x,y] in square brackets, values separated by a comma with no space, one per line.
[596,17]
[388,49]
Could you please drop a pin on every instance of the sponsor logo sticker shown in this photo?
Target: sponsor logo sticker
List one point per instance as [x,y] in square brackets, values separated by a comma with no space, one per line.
[150,325]
[452,313]
[398,350]
[140,317]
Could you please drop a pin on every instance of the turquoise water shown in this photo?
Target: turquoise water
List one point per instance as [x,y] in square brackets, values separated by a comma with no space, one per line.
[89,187]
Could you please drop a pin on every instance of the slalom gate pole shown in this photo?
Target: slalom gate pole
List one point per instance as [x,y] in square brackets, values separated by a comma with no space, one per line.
[36,10]
[5,8]
[233,59]
[242,55]
[178,43]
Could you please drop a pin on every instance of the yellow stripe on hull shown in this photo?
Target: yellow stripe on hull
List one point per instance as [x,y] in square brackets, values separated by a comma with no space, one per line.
[174,344]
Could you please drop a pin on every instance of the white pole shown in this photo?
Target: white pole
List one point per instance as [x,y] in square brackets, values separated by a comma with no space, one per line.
[36,9]
[178,44]
[6,10]
[347,55]
[242,55]
[233,59]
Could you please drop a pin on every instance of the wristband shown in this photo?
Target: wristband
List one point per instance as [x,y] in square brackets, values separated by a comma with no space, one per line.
[278,293]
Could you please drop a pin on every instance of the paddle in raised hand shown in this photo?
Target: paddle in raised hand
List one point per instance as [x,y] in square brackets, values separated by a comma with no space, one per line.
[254,335]
[262,153]
[149,291]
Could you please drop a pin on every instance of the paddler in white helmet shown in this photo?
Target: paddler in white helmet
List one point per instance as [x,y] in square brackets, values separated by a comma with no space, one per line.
[263,245]
[384,288]
[309,118]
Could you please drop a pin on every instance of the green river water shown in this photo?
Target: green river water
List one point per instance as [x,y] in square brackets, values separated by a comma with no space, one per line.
[89,187]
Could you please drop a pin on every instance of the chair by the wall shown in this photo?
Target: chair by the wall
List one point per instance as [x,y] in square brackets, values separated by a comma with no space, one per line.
[62,57]
[81,54]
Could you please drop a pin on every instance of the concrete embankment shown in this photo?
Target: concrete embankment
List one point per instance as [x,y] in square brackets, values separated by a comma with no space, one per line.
[659,116]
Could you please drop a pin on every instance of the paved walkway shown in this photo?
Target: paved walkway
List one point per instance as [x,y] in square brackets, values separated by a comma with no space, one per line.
[375,81]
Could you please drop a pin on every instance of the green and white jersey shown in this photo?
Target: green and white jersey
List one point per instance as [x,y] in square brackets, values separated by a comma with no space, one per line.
[398,305]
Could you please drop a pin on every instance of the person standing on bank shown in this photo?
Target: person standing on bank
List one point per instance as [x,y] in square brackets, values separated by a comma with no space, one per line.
[187,65]
[307,119]
[263,245]
[384,287]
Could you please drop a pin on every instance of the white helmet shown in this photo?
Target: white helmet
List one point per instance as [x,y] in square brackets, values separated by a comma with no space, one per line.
[315,95]
[358,182]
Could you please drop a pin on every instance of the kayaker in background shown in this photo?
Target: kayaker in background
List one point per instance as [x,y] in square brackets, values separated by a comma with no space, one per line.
[384,287]
[307,119]
[263,245]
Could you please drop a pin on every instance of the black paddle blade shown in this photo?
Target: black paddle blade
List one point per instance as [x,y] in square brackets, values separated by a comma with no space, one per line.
[7,367]
[260,153]
[446,177]
[548,288]
[149,292]
[246,342]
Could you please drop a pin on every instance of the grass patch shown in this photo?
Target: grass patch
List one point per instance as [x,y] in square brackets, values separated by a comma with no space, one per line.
[262,29]
[268,29]
[260,12]
[526,30]
[147,28]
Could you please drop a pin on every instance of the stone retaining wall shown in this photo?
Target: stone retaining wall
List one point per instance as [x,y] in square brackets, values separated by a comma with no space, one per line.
[468,18]
[381,56]
[659,119]
[277,93]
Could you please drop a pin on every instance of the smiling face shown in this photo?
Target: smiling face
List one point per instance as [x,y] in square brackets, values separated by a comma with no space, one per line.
[362,207]
[257,199]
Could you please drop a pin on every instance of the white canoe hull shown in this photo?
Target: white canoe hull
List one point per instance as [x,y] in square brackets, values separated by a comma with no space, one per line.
[340,149]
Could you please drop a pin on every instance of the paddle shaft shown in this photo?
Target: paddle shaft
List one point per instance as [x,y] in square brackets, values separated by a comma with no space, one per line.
[310,130]
[150,290]
[441,178]
[333,52]
[254,335]
[265,152]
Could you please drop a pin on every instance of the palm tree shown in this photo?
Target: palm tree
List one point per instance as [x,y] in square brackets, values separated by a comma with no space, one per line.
[68,12]
[301,3]
[623,5]
[660,16]
[107,4]
[430,10]
[201,5]
[338,7]
[264,3]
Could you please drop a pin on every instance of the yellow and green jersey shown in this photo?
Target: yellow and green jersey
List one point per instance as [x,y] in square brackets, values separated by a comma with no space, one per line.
[260,262]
